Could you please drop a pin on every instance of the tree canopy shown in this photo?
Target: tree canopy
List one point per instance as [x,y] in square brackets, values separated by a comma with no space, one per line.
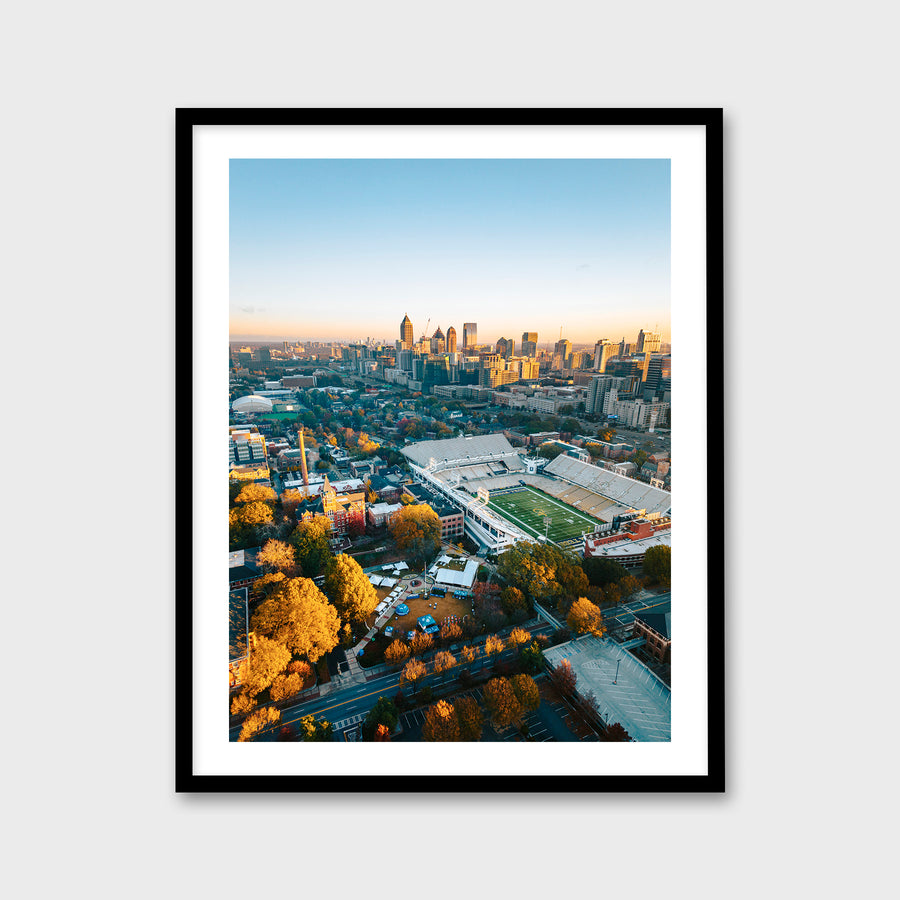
[658,563]
[298,615]
[541,572]
[255,493]
[585,617]
[504,706]
[348,588]
[313,729]
[417,530]
[470,718]
[441,723]
[276,555]
[384,712]
[258,721]
[526,690]
[267,659]
[310,538]
[601,571]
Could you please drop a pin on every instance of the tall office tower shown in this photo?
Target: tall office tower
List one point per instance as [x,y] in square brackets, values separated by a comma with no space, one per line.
[576,359]
[406,332]
[603,352]
[659,368]
[529,343]
[438,342]
[470,335]
[505,347]
[648,341]
[451,340]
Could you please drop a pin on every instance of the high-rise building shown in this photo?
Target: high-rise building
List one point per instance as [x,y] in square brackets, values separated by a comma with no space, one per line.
[505,348]
[561,353]
[438,342]
[470,335]
[406,332]
[603,352]
[451,340]
[648,341]
[529,343]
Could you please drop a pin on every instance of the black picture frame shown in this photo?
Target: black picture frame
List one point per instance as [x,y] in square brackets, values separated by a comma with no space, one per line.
[186,778]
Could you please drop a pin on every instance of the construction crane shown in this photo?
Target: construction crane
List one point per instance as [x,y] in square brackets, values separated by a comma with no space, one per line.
[425,333]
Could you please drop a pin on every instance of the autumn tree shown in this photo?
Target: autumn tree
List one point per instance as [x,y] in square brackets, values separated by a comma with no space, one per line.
[420,643]
[349,589]
[310,538]
[276,555]
[413,672]
[255,493]
[584,617]
[258,721]
[658,564]
[267,659]
[518,636]
[396,653]
[290,500]
[492,646]
[285,686]
[468,655]
[313,729]
[441,723]
[502,703]
[251,514]
[450,632]
[298,615]
[616,733]
[302,668]
[443,661]
[629,586]
[417,530]
[512,600]
[564,678]
[242,704]
[526,690]
[470,718]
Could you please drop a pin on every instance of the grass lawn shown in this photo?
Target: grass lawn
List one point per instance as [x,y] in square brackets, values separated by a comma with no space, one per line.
[527,508]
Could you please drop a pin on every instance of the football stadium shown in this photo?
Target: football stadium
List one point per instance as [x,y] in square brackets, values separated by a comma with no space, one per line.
[506,499]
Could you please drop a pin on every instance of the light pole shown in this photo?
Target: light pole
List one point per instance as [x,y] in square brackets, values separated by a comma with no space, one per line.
[616,679]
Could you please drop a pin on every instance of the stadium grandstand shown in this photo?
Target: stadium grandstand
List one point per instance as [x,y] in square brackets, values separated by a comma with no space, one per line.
[486,478]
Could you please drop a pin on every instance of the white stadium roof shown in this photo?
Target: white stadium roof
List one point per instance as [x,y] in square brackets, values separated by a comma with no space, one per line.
[624,490]
[458,450]
[252,403]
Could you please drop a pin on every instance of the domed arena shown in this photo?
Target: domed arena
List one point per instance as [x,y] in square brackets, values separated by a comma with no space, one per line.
[252,404]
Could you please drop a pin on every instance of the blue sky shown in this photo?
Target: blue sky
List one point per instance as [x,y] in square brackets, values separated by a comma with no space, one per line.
[342,249]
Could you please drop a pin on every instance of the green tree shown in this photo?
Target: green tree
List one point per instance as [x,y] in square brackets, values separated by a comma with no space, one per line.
[298,615]
[310,538]
[602,572]
[441,723]
[313,729]
[572,426]
[470,718]
[258,721]
[502,703]
[658,564]
[585,617]
[349,589]
[267,659]
[526,690]
[417,530]
[384,712]
[531,658]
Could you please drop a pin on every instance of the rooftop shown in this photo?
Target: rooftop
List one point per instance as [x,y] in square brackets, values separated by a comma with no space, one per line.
[628,693]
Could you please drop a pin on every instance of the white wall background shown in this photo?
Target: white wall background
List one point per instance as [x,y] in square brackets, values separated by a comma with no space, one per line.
[811,195]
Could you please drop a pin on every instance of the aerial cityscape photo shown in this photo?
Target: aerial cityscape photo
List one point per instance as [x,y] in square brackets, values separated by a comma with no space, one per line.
[450,463]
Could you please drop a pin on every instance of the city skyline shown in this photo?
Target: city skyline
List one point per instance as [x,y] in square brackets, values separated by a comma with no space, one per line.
[341,250]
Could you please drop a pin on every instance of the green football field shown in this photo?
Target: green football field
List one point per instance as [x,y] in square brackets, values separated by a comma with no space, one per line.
[527,508]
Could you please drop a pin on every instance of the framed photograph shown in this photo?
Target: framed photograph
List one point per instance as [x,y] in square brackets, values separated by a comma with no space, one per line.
[467,537]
